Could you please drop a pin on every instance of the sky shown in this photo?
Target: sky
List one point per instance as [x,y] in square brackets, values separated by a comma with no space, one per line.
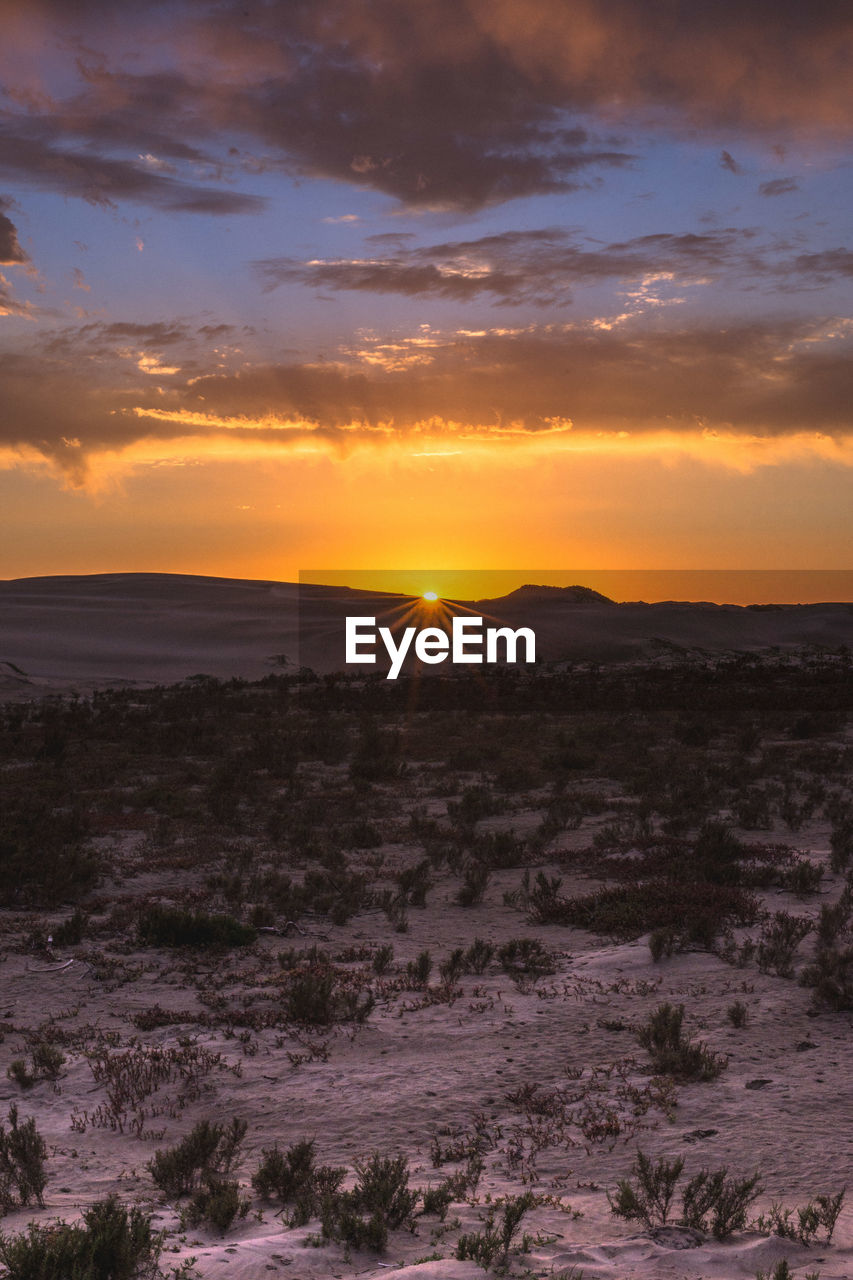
[457,283]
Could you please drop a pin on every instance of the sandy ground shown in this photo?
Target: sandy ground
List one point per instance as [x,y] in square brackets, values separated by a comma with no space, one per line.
[429,1070]
[413,1074]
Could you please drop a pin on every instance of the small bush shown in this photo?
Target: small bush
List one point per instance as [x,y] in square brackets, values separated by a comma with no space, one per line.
[649,1199]
[382,960]
[823,1212]
[419,969]
[780,1272]
[491,1247]
[737,1014]
[286,1176]
[318,999]
[438,1200]
[662,943]
[383,1188]
[207,1152]
[22,1156]
[415,883]
[112,1243]
[831,975]
[172,927]
[525,958]
[46,1062]
[841,842]
[475,879]
[716,1203]
[779,941]
[218,1203]
[70,932]
[379,1202]
[479,955]
[672,1053]
[698,910]
[453,967]
[709,1202]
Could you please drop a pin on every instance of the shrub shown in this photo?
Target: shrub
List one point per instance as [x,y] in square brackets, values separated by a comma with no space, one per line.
[383,959]
[709,1202]
[414,883]
[46,1062]
[718,853]
[479,955]
[22,1155]
[831,975]
[803,877]
[525,958]
[475,879]
[672,1053]
[716,1203]
[831,972]
[841,842]
[780,1272]
[290,1176]
[491,1247]
[419,969]
[453,967]
[438,1199]
[172,927]
[379,1202]
[698,910]
[217,1202]
[112,1243]
[779,941]
[662,942]
[823,1212]
[70,932]
[383,1189]
[649,1200]
[317,999]
[737,1014]
[207,1152]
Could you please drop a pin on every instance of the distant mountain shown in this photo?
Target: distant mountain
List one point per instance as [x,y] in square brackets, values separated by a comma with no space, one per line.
[89,632]
[567,595]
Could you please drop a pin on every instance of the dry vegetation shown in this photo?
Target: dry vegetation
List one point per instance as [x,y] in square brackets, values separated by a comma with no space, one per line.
[323,972]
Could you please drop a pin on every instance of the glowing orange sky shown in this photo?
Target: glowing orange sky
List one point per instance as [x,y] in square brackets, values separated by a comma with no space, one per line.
[515,282]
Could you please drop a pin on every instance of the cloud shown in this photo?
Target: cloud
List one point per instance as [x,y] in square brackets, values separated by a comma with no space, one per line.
[540,266]
[752,380]
[728,161]
[11,253]
[446,104]
[9,305]
[37,156]
[779,187]
[826,264]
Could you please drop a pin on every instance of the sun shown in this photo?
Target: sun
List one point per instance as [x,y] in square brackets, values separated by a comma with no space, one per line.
[430,596]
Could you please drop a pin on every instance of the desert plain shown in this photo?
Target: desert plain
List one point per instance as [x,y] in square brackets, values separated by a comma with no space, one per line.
[529,972]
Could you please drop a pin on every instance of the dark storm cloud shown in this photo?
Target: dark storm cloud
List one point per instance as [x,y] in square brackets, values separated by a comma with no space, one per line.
[516,266]
[440,104]
[11,253]
[779,187]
